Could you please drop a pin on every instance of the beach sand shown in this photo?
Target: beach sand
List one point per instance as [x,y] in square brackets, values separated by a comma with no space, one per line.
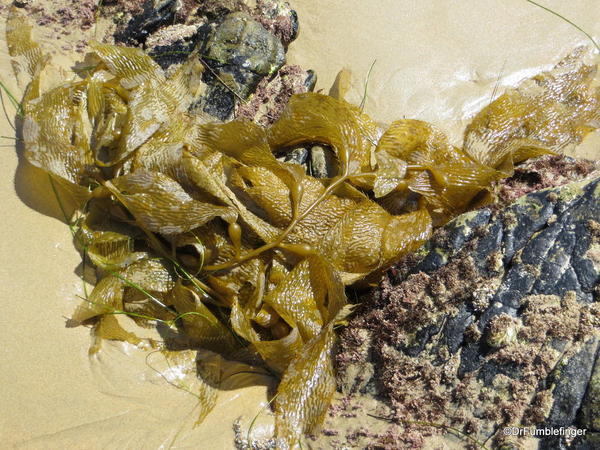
[434,62]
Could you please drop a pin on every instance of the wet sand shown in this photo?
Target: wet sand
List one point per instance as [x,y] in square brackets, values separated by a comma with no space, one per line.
[433,62]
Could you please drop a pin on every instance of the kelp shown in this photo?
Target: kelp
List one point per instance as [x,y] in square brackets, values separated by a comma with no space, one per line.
[199,226]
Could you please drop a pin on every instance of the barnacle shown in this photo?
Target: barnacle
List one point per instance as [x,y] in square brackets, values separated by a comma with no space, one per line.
[200,226]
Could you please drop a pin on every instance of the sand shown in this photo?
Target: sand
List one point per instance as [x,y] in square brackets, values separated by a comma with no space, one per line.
[434,62]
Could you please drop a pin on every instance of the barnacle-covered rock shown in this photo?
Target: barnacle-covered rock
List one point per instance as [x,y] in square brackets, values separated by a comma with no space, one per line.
[139,20]
[271,96]
[590,408]
[242,42]
[278,18]
[500,312]
[172,44]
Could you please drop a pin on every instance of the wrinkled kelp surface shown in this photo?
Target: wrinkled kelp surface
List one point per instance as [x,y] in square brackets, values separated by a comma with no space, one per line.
[198,226]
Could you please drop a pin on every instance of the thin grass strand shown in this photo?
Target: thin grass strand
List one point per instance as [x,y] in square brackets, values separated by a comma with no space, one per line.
[573,24]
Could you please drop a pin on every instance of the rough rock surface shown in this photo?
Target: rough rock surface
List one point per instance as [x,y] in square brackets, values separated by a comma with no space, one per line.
[494,322]
[271,95]
[240,43]
[319,161]
[240,53]
[146,18]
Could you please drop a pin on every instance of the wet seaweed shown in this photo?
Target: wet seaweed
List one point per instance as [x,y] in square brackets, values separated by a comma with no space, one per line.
[197,225]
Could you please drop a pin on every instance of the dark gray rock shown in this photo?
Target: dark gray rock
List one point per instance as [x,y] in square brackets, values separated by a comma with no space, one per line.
[570,381]
[499,314]
[547,259]
[590,408]
[311,80]
[296,156]
[218,101]
[458,233]
[591,441]
[155,14]
[242,48]
[240,53]
[319,161]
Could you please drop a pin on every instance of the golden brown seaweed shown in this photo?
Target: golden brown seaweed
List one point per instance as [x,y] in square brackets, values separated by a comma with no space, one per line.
[25,52]
[547,113]
[306,390]
[159,203]
[200,226]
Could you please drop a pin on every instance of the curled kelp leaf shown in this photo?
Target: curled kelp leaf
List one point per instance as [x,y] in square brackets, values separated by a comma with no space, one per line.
[57,140]
[300,411]
[349,229]
[107,110]
[296,304]
[390,175]
[207,172]
[25,52]
[247,143]
[109,245]
[349,243]
[140,288]
[277,353]
[152,98]
[151,275]
[163,151]
[149,107]
[198,226]
[319,118]
[106,298]
[130,65]
[547,113]
[200,325]
[108,328]
[160,204]
[445,177]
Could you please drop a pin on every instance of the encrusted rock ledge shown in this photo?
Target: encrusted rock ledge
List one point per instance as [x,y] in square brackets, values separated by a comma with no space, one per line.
[495,322]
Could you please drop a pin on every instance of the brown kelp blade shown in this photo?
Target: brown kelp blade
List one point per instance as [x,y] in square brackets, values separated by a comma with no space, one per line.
[306,389]
[547,113]
[161,205]
[310,118]
[106,298]
[201,326]
[25,52]
[57,140]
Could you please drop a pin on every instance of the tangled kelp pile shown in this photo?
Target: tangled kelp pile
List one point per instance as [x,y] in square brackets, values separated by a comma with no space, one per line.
[200,226]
